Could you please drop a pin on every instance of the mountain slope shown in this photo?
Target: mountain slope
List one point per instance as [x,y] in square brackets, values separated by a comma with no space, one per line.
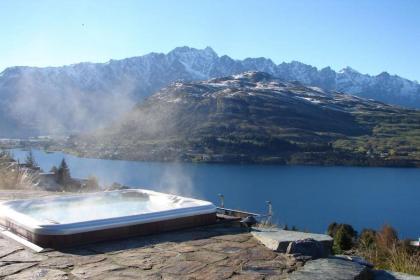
[80,97]
[254,117]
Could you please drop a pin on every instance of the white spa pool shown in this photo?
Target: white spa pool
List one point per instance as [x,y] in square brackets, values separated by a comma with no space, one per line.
[67,215]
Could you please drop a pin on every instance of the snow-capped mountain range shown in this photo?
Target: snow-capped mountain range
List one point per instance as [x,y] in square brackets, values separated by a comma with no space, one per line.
[86,95]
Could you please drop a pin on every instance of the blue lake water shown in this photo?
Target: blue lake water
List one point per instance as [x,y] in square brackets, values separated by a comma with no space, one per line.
[309,198]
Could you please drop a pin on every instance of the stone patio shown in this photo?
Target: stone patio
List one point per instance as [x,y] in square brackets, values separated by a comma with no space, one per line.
[215,252]
[223,251]
[202,253]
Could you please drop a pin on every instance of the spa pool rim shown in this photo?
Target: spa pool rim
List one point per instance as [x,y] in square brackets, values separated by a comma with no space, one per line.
[12,218]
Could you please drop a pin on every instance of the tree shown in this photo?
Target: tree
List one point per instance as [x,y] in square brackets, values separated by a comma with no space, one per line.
[30,160]
[63,173]
[54,170]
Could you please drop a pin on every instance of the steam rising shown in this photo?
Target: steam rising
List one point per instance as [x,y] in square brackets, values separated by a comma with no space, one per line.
[54,105]
[175,180]
[100,206]
[172,178]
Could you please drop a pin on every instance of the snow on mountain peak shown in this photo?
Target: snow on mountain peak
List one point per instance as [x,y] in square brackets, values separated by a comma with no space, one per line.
[349,70]
[139,77]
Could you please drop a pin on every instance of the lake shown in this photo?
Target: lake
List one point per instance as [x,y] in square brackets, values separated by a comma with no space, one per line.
[309,198]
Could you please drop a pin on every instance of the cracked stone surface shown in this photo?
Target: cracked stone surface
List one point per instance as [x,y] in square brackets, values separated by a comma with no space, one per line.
[332,269]
[96,269]
[14,268]
[39,274]
[188,254]
[7,247]
[24,256]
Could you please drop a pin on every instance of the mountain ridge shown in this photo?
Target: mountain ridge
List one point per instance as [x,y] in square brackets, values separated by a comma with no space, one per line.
[83,96]
[258,118]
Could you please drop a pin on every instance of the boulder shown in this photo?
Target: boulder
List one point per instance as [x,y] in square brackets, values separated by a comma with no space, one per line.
[307,247]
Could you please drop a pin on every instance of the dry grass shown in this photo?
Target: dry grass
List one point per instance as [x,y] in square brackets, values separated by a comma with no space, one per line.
[387,252]
[398,258]
[14,177]
[402,260]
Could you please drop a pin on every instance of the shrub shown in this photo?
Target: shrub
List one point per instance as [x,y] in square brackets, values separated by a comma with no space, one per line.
[387,237]
[12,176]
[385,251]
[402,259]
[367,238]
[381,248]
[349,230]
[332,229]
[92,184]
[343,240]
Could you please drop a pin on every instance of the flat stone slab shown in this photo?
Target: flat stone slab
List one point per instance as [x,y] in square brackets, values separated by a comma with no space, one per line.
[7,247]
[278,239]
[39,274]
[14,268]
[332,269]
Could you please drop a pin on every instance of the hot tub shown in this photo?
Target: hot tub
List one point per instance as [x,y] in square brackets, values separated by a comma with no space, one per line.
[69,220]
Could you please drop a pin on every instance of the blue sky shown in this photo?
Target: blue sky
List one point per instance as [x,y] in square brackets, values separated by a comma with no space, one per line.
[370,36]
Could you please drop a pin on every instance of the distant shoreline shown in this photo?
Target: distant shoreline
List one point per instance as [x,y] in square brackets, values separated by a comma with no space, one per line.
[312,159]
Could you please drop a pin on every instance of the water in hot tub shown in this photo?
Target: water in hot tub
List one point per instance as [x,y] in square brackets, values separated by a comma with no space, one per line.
[94,207]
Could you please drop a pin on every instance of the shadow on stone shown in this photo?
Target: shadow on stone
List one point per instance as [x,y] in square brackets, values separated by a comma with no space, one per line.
[307,247]
[224,231]
[384,275]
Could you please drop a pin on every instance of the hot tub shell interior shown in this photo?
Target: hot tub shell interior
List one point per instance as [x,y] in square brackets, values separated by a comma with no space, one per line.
[181,213]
